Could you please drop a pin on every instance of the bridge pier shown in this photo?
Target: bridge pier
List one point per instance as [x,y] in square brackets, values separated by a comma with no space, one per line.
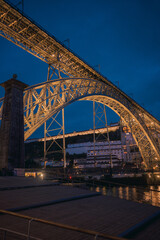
[12,126]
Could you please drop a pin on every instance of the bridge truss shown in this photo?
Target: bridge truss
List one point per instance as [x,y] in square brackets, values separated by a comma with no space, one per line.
[84,83]
[46,99]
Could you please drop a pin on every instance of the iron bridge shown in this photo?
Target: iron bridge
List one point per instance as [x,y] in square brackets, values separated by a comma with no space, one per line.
[76,81]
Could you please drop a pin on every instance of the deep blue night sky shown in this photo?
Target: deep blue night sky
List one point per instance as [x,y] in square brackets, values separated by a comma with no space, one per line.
[121,35]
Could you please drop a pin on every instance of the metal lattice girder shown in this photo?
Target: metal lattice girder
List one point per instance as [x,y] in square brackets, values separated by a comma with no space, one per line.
[54,126]
[43,100]
[99,121]
[25,33]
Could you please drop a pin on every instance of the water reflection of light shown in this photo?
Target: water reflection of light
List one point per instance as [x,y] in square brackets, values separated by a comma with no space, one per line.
[134,193]
[98,189]
[104,192]
[147,196]
[127,193]
[152,195]
[155,195]
[120,192]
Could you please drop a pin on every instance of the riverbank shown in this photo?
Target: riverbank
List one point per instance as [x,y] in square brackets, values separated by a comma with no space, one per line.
[146,179]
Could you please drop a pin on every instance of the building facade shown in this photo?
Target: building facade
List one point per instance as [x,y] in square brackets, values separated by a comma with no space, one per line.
[119,150]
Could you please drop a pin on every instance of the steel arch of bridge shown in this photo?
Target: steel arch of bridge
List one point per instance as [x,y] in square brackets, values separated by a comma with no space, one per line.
[43,100]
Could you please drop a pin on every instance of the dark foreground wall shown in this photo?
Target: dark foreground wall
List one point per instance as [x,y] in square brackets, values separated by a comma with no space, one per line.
[12,126]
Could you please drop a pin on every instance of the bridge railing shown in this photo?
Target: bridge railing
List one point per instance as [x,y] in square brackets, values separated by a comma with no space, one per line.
[92,234]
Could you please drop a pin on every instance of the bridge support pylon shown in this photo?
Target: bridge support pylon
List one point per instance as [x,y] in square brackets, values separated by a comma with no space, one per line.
[12,126]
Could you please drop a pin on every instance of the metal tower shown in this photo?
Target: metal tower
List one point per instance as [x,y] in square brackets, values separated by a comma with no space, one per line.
[100,121]
[50,129]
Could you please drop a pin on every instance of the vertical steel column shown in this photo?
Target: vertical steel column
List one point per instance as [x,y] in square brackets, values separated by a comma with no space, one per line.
[63,126]
[103,114]
[45,127]
[110,152]
[64,146]
[94,127]
[130,125]
[120,126]
[94,124]
[49,76]
[45,151]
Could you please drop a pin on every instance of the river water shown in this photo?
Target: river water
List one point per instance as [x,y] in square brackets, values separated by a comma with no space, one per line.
[150,194]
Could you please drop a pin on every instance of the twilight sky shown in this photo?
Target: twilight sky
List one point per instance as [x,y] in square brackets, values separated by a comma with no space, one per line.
[121,35]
